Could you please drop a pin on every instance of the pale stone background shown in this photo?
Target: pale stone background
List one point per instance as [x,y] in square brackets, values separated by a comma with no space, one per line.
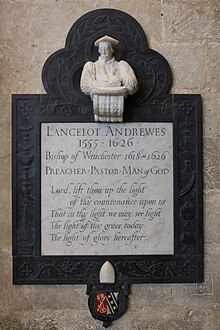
[187,33]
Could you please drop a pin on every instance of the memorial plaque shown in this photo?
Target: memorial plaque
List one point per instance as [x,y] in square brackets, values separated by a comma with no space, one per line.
[106,189]
[107,169]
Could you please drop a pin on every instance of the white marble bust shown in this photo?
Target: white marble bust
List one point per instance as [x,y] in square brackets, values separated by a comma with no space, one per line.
[108,77]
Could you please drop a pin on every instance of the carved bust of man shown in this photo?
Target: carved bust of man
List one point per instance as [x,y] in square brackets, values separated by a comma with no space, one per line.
[107,76]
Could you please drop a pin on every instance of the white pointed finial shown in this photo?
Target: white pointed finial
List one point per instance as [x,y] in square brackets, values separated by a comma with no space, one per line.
[107,273]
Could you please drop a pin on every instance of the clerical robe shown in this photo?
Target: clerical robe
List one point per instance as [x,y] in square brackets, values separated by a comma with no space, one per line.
[112,71]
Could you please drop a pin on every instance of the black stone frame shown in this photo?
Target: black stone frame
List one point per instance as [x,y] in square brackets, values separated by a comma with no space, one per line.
[64,102]
[186,265]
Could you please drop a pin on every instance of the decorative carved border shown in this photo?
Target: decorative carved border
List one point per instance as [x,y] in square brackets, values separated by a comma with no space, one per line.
[26,184]
[130,269]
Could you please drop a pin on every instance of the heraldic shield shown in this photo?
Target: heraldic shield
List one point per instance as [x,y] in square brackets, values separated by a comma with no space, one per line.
[107,302]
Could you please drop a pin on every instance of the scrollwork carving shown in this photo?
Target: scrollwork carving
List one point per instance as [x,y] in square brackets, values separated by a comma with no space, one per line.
[24,168]
[188,175]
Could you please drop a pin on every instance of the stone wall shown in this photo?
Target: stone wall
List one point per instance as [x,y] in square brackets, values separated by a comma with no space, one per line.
[187,33]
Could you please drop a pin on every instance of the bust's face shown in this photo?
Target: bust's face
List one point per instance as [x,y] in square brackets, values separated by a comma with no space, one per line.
[105,50]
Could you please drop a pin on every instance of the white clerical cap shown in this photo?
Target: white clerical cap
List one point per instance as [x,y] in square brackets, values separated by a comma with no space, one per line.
[113,42]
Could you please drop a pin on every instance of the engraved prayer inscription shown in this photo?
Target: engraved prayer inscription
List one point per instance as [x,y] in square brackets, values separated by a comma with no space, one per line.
[106,189]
